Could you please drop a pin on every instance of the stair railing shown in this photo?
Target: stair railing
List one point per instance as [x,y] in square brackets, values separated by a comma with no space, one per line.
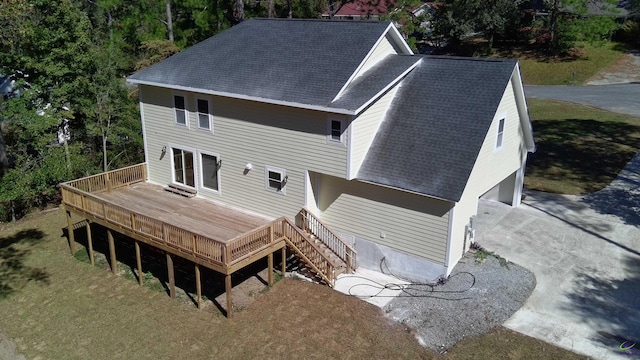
[310,223]
[302,245]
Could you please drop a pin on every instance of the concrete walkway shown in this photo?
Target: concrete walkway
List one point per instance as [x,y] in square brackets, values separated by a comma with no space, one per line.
[585,253]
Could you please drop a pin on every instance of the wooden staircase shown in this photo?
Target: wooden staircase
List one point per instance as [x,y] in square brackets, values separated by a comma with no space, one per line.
[320,251]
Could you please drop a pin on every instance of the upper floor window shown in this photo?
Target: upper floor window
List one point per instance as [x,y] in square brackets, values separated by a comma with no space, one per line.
[500,136]
[180,109]
[335,131]
[204,114]
[275,179]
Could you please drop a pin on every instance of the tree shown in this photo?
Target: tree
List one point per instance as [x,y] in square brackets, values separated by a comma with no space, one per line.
[569,21]
[456,19]
[167,6]
[111,107]
[238,11]
[401,12]
[49,57]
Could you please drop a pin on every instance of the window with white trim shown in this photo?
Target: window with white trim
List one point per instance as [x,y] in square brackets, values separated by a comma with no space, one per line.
[335,131]
[210,171]
[275,179]
[180,113]
[203,107]
[500,135]
[183,167]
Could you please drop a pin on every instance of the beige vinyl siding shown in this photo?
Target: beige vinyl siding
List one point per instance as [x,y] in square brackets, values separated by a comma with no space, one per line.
[385,47]
[494,165]
[411,223]
[364,129]
[491,167]
[245,132]
[467,207]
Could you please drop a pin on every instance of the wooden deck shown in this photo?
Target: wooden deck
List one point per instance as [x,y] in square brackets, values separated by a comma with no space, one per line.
[216,221]
[219,237]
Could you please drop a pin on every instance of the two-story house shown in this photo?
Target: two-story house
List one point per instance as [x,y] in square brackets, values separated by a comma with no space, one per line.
[389,149]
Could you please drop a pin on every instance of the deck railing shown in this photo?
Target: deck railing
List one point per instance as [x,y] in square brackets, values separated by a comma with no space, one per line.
[313,225]
[81,195]
[111,179]
[183,240]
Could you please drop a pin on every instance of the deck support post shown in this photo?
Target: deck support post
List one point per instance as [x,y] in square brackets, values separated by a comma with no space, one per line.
[284,261]
[90,242]
[72,238]
[270,265]
[198,287]
[227,286]
[172,279]
[112,252]
[139,262]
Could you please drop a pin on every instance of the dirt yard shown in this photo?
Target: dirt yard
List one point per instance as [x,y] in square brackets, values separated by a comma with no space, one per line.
[54,306]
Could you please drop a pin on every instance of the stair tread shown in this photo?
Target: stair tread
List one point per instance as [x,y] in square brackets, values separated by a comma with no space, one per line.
[180,190]
[316,251]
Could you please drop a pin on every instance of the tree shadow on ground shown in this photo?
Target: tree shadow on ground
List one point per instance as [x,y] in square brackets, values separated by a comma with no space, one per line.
[611,305]
[586,155]
[14,272]
[154,263]
[622,197]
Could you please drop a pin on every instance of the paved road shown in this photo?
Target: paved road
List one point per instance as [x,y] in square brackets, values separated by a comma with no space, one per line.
[622,98]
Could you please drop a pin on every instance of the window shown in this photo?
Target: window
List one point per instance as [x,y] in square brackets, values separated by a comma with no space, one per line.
[204,114]
[210,171]
[500,133]
[183,167]
[276,179]
[180,110]
[335,131]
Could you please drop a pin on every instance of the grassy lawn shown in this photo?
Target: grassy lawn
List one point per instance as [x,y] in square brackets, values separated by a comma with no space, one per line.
[580,149]
[540,69]
[56,307]
[565,71]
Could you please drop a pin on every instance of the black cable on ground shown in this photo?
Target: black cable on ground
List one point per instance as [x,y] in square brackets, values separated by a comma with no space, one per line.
[412,289]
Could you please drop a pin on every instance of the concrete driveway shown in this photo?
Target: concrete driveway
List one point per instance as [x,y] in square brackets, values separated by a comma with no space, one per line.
[585,253]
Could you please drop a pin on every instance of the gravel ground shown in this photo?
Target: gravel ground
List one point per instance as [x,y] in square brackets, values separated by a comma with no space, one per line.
[477,297]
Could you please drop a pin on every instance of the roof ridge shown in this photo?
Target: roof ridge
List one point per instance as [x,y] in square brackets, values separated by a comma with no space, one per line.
[465,58]
[321,20]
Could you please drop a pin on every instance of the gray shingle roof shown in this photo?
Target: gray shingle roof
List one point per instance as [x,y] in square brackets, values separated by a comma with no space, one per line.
[300,61]
[435,127]
[365,87]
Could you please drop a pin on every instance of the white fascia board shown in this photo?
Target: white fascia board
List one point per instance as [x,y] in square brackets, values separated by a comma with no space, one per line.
[396,35]
[145,145]
[350,176]
[244,97]
[523,111]
[450,239]
[389,86]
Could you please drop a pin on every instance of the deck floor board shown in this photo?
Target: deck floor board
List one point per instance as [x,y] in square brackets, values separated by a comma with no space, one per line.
[205,217]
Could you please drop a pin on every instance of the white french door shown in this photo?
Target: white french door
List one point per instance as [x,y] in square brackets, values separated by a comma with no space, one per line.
[183,167]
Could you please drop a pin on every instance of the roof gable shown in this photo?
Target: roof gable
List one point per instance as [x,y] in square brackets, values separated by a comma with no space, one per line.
[436,125]
[279,60]
[368,87]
